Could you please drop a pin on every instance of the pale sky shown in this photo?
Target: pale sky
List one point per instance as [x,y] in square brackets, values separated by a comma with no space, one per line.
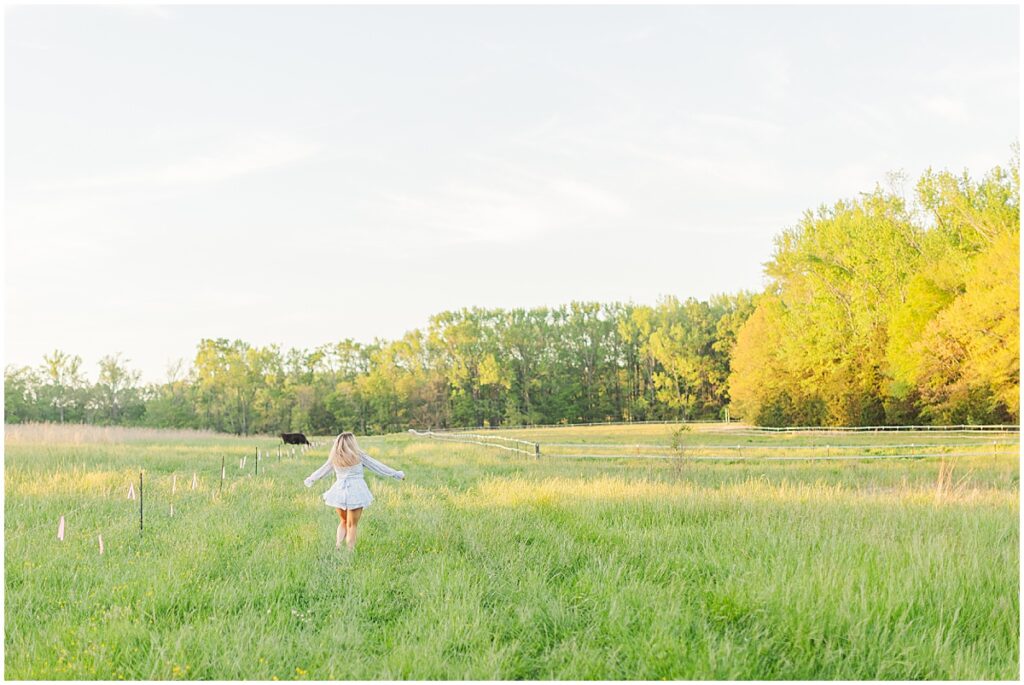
[300,175]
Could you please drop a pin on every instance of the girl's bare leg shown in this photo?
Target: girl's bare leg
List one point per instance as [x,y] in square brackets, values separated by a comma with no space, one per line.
[351,522]
[342,527]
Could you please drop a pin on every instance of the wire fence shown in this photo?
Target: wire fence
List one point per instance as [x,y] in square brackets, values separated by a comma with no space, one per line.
[518,446]
[961,428]
[532,426]
[696,451]
[148,494]
[1002,440]
[938,435]
[753,447]
[736,459]
[738,426]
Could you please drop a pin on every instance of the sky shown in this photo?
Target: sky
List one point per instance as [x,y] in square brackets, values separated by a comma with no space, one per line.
[302,175]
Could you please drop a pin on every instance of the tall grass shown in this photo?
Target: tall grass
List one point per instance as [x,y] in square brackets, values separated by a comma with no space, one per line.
[80,433]
[487,566]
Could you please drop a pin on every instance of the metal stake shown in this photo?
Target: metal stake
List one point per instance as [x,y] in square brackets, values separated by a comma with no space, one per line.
[140,501]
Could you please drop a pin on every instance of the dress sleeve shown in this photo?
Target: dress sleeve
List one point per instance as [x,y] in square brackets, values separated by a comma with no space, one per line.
[379,468]
[318,474]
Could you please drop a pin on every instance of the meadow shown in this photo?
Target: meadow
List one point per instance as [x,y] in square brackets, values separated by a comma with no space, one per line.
[484,564]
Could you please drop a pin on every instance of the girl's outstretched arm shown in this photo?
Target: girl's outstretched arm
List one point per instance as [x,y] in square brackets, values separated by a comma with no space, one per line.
[379,468]
[318,474]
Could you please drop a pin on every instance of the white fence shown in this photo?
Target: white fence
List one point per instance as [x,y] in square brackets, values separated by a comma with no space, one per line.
[512,445]
[961,428]
[749,452]
[532,426]
[739,427]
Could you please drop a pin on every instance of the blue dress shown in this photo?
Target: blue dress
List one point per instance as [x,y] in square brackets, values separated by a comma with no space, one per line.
[349,490]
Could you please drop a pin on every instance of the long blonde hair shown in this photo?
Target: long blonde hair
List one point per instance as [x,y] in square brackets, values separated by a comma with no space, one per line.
[345,451]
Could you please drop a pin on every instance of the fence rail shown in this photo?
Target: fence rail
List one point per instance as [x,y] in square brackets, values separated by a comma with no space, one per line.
[686,448]
[961,428]
[727,426]
[483,440]
[531,426]
[734,453]
[960,435]
[736,458]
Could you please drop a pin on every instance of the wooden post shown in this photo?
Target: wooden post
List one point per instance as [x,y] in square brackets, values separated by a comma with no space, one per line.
[140,501]
[221,473]
[536,450]
[257,461]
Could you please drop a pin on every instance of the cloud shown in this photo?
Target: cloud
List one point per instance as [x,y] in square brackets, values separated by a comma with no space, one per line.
[773,71]
[514,206]
[754,127]
[701,148]
[246,157]
[460,213]
[639,35]
[33,45]
[570,191]
[144,10]
[587,196]
[961,73]
[950,109]
[240,157]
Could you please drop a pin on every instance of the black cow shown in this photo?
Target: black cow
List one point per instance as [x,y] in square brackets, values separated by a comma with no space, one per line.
[294,439]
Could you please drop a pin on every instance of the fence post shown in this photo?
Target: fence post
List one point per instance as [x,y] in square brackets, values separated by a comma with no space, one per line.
[257,461]
[140,501]
[221,491]
[536,450]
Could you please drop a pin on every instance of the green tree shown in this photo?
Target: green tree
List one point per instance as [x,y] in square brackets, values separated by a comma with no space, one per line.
[21,384]
[64,383]
[116,394]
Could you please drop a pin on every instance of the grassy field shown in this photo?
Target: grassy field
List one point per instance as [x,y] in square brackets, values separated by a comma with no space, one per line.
[487,565]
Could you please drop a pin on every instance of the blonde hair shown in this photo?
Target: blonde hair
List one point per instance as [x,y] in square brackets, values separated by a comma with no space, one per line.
[345,451]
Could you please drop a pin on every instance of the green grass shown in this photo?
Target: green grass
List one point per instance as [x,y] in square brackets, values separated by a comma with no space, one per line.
[483,565]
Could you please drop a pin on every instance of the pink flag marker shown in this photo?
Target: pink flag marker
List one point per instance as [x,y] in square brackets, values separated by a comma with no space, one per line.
[194,483]
[60,529]
[101,545]
[131,491]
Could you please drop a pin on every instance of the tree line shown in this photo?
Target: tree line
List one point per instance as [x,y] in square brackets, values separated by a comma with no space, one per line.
[582,362]
[882,309]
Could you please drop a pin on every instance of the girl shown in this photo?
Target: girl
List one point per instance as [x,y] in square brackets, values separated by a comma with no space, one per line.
[349,494]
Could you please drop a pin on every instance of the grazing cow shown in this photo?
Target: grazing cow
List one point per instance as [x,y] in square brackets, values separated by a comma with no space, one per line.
[294,439]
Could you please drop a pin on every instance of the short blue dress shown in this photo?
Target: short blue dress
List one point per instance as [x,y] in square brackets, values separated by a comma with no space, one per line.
[349,490]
